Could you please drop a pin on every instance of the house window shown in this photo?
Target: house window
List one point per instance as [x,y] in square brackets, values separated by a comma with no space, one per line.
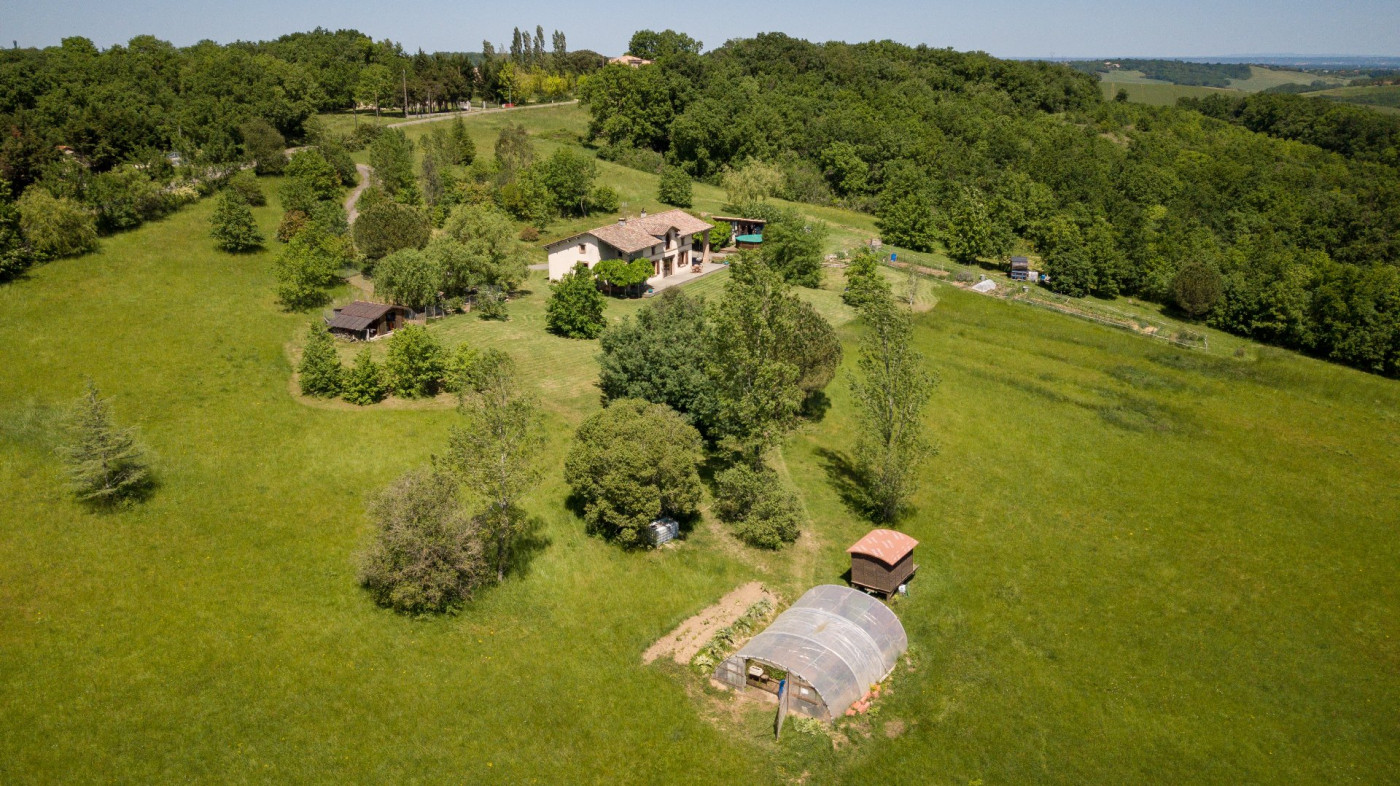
[582,248]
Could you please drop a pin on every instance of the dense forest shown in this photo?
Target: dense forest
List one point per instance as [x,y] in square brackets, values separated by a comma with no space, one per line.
[1175,71]
[1354,131]
[1267,237]
[134,103]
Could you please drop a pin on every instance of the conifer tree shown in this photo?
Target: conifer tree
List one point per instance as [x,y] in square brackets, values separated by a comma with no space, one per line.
[320,372]
[364,384]
[232,225]
[106,465]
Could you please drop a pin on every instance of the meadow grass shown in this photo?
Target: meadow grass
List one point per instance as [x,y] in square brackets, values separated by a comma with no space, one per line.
[1382,98]
[1137,563]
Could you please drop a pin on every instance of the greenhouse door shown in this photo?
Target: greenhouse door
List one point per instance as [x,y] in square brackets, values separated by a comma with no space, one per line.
[782,709]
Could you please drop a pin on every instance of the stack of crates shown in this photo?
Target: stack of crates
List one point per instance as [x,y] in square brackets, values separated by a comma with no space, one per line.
[663,530]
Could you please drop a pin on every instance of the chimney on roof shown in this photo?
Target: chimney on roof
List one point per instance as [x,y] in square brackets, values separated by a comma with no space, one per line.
[644,214]
[622,221]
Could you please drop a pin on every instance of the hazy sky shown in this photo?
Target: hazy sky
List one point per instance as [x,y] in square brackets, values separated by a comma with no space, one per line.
[1008,28]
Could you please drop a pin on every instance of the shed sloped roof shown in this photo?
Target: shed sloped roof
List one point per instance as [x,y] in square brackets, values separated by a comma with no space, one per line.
[838,639]
[885,545]
[359,315]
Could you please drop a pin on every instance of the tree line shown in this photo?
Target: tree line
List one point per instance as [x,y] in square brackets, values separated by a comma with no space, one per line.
[1294,244]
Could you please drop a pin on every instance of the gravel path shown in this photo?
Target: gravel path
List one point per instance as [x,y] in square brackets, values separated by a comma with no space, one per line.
[474,112]
[351,212]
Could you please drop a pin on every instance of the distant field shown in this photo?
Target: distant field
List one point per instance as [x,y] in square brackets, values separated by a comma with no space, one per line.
[1385,98]
[1158,93]
[1265,78]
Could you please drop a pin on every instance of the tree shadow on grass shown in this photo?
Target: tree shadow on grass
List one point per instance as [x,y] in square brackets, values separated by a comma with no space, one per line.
[846,480]
[531,543]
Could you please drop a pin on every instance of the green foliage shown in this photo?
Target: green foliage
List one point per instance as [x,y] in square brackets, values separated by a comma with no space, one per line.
[651,45]
[415,364]
[263,145]
[319,373]
[55,228]
[427,554]
[890,394]
[970,231]
[308,264]
[641,358]
[514,152]
[338,156]
[364,384]
[496,452]
[864,284]
[490,303]
[768,350]
[908,221]
[752,182]
[232,225]
[321,179]
[410,278]
[388,227]
[291,225]
[575,308]
[14,258]
[462,146]
[529,199]
[391,157]
[624,274]
[847,171]
[568,177]
[492,253]
[632,463]
[759,510]
[674,188]
[246,185]
[796,248]
[126,197]
[604,199]
[106,465]
[1197,288]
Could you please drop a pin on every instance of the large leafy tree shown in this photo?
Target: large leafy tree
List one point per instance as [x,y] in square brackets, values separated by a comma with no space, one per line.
[674,188]
[416,362]
[492,254]
[767,351]
[427,554]
[575,307]
[568,175]
[106,464]
[55,228]
[890,394]
[391,157]
[388,227]
[632,463]
[970,230]
[496,452]
[795,247]
[263,145]
[642,358]
[309,264]
[908,221]
[410,278]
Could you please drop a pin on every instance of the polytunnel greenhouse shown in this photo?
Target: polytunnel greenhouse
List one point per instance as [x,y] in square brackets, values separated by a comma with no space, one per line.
[831,646]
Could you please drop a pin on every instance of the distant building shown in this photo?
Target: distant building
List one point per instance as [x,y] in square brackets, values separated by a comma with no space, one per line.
[630,61]
[668,240]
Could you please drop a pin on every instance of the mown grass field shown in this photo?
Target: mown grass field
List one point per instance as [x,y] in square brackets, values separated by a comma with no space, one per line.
[1382,98]
[1138,563]
[1160,93]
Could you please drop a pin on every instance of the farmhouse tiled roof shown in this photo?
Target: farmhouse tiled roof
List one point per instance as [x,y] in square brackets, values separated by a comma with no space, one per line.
[637,234]
[359,315]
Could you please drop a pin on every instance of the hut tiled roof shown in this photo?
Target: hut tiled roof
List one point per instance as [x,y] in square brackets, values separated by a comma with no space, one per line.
[679,220]
[885,545]
[641,233]
[359,315]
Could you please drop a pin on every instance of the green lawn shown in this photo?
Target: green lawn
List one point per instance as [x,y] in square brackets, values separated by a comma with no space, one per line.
[1138,563]
[1382,98]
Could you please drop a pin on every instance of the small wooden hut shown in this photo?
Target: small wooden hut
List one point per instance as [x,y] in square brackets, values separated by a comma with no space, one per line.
[1020,268]
[363,320]
[882,560]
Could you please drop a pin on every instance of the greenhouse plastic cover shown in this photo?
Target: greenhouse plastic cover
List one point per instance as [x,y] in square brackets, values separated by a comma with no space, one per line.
[840,640]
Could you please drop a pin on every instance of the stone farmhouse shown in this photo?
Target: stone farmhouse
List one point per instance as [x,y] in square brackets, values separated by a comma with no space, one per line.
[672,241]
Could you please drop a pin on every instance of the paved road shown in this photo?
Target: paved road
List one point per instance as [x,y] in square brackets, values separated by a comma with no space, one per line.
[351,212]
[474,112]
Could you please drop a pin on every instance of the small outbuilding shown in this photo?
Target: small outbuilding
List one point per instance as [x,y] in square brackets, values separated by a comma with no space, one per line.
[1020,268]
[822,654]
[363,320]
[744,232]
[882,561]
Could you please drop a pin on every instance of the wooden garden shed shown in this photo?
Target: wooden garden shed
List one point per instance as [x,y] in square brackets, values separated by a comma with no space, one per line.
[363,320]
[882,560]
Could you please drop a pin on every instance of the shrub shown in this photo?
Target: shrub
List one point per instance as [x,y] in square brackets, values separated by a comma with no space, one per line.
[415,365]
[263,145]
[232,225]
[427,554]
[631,463]
[124,198]
[1196,288]
[387,227]
[312,168]
[308,264]
[293,222]
[864,284]
[55,228]
[604,199]
[758,509]
[106,465]
[529,234]
[491,304]
[674,188]
[364,384]
[472,371]
[319,372]
[575,309]
[246,185]
[338,156]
